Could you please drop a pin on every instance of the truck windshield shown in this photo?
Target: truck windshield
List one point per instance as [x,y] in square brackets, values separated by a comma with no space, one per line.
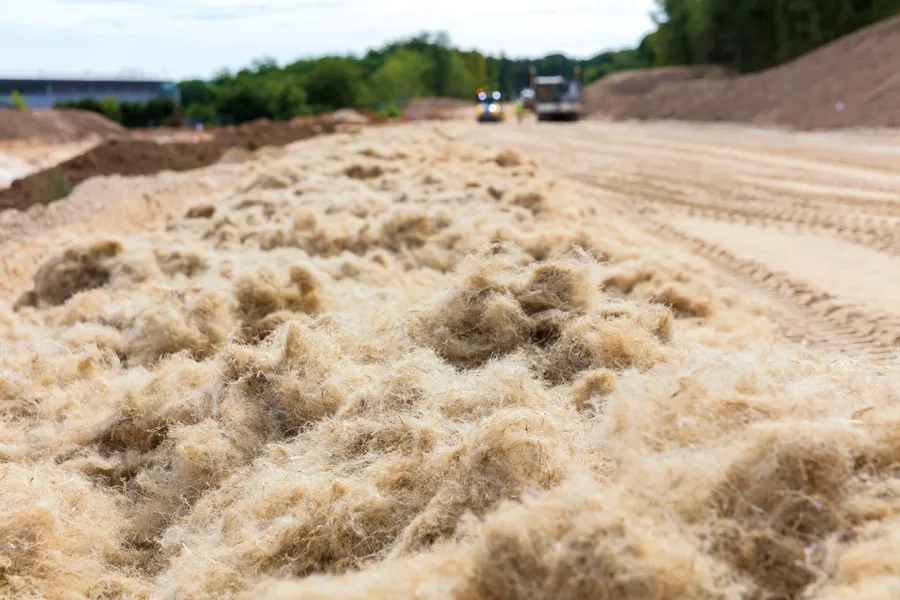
[550,92]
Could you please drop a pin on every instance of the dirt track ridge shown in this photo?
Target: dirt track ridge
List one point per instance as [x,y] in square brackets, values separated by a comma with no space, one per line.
[865,229]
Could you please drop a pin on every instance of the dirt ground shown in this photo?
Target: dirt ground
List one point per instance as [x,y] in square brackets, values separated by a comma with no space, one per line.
[23,157]
[451,360]
[150,152]
[434,108]
[614,94]
[56,126]
[810,220]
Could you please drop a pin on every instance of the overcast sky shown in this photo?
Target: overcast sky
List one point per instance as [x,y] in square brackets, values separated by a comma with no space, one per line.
[185,38]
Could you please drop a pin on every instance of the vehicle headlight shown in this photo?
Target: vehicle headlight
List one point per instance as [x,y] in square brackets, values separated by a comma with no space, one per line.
[494,107]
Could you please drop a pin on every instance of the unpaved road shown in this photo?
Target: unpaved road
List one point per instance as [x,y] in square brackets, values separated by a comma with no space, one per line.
[810,220]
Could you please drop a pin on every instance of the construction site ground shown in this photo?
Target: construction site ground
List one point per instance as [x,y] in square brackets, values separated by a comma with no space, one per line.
[809,221]
[456,360]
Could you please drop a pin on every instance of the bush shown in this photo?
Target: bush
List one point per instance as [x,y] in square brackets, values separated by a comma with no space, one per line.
[255,97]
[204,113]
[158,111]
[17,101]
[391,111]
[334,83]
[110,108]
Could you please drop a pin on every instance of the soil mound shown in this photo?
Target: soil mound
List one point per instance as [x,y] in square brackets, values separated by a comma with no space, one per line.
[52,125]
[124,156]
[852,82]
[614,93]
[349,116]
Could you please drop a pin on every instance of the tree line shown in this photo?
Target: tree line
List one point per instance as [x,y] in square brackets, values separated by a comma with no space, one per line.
[157,111]
[382,79]
[751,35]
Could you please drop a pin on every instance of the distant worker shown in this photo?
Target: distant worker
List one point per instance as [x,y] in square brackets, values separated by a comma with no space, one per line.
[520,109]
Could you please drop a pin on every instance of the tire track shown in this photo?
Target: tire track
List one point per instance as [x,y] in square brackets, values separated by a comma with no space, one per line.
[806,315]
[777,182]
[866,230]
[819,318]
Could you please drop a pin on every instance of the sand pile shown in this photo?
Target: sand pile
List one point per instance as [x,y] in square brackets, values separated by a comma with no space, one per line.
[613,94]
[384,365]
[852,82]
[59,126]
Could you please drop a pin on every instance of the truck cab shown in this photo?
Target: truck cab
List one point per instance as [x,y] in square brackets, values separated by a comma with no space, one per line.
[557,98]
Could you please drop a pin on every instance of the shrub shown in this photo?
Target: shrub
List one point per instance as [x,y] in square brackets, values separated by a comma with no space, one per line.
[17,101]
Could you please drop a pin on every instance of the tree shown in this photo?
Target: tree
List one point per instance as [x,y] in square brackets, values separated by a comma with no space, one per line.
[110,108]
[334,83]
[461,83]
[476,67]
[286,98]
[751,35]
[196,91]
[204,113]
[401,77]
[244,101]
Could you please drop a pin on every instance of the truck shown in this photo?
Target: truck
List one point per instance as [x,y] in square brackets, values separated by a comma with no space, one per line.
[556,97]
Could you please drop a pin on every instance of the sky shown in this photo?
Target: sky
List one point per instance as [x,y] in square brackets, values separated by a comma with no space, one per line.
[178,39]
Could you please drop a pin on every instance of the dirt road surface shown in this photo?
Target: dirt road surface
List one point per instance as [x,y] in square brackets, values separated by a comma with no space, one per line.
[809,220]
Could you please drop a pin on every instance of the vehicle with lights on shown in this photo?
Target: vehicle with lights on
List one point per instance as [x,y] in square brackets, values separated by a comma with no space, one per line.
[557,98]
[489,109]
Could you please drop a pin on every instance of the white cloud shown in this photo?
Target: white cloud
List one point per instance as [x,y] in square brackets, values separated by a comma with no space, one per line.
[181,38]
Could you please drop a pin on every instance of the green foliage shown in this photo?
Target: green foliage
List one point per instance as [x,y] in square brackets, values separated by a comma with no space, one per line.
[402,76]
[254,98]
[391,111]
[746,35]
[91,104]
[334,83]
[17,101]
[158,111]
[383,78]
[244,102]
[751,35]
[111,109]
[196,92]
[609,62]
[203,113]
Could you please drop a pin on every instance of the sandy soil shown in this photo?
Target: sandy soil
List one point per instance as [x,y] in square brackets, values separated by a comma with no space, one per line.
[21,158]
[413,362]
[810,220]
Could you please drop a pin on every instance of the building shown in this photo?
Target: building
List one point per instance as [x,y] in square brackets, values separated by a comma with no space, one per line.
[46,92]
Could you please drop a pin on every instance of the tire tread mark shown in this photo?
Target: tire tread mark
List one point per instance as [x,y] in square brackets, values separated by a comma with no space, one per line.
[825,322]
